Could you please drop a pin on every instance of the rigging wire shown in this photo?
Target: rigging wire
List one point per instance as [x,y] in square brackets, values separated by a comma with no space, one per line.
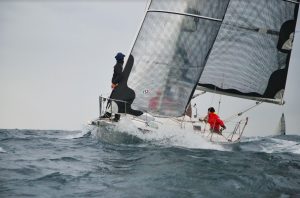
[213,96]
[147,5]
[219,106]
[242,112]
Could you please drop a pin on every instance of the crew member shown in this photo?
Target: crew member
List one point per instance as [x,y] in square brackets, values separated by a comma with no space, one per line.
[116,79]
[216,124]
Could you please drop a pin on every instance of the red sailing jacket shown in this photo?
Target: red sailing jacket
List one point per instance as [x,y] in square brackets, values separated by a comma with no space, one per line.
[215,122]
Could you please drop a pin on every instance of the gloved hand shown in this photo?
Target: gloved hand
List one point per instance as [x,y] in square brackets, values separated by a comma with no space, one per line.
[113,85]
[224,127]
[203,119]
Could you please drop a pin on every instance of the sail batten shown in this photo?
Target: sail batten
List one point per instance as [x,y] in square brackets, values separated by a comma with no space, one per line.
[186,14]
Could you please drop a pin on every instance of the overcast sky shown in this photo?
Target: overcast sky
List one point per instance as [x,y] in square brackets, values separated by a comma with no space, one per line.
[57,57]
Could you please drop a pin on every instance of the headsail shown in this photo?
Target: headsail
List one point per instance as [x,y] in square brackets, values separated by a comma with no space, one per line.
[218,45]
[170,53]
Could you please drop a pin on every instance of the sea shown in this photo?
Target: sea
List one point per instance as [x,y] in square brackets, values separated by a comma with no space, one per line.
[106,162]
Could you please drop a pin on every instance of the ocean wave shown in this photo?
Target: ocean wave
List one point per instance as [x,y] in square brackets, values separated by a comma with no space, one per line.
[56,177]
[66,159]
[126,132]
[168,164]
[271,145]
[2,150]
[85,132]
[279,146]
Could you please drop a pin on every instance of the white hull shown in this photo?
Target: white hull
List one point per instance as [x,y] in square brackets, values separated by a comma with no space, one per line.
[147,124]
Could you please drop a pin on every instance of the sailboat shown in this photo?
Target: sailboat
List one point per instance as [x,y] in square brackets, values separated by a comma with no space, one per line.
[238,48]
[281,128]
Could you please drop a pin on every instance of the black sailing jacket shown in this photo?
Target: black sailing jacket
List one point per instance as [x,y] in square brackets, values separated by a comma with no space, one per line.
[117,76]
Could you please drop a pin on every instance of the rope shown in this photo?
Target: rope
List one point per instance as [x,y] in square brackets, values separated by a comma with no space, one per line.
[147,5]
[198,94]
[213,96]
[219,106]
[242,112]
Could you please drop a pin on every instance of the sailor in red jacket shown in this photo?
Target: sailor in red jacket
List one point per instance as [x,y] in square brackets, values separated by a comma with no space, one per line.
[214,121]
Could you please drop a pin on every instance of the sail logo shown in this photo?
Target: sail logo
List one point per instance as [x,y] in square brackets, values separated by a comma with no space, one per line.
[146,91]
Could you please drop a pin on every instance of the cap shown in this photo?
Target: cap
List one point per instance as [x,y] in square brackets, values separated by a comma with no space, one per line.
[119,56]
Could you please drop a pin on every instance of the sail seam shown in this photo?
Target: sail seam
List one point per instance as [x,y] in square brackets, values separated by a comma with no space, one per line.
[186,14]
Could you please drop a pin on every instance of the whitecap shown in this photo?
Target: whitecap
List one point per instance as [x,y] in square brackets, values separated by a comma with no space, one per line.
[166,136]
[79,134]
[280,146]
[2,150]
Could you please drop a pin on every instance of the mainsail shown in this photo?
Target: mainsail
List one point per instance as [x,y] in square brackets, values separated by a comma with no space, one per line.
[236,47]
[250,57]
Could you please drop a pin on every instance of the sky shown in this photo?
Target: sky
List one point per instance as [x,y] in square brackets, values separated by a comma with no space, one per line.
[57,57]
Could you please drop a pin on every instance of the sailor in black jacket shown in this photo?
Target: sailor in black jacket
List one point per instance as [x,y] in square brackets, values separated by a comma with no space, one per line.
[116,79]
[118,68]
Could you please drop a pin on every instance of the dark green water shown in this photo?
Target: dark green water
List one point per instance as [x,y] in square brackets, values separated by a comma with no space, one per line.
[80,164]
